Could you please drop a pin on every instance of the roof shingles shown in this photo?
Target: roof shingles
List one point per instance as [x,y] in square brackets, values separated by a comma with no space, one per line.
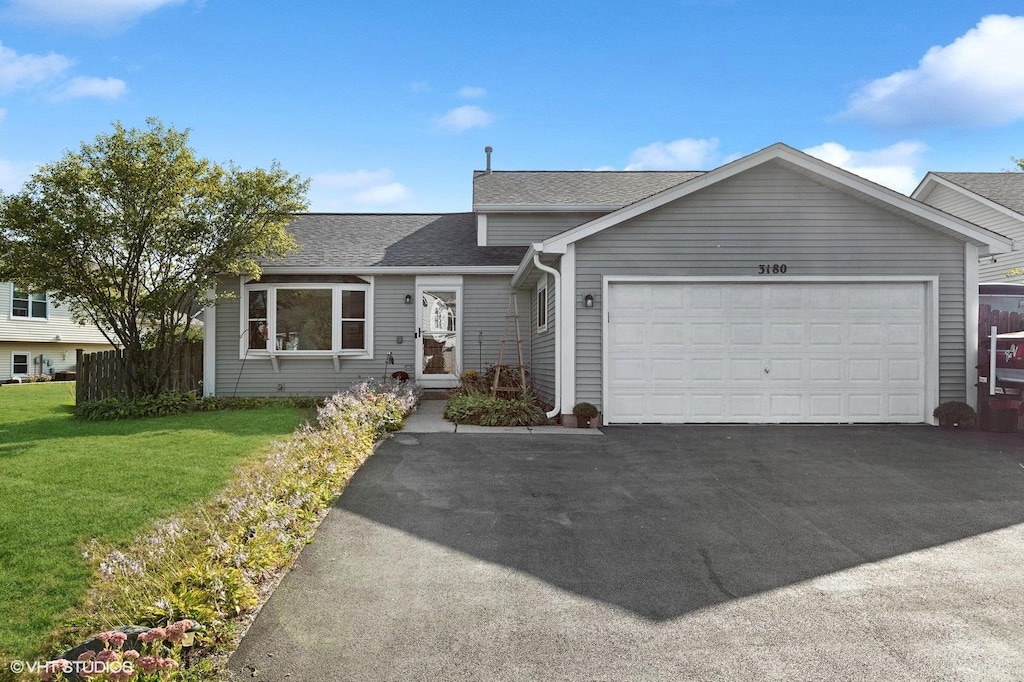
[1005,189]
[593,188]
[360,240]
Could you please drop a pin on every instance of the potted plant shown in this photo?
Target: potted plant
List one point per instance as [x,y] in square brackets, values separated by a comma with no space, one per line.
[584,413]
[955,414]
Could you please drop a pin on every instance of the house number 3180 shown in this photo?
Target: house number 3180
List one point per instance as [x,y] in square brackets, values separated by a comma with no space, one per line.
[771,269]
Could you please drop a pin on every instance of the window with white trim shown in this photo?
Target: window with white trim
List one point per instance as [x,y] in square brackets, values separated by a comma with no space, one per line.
[27,305]
[308,318]
[542,304]
[19,364]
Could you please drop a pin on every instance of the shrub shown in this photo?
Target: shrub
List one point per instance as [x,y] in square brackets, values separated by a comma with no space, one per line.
[39,378]
[484,409]
[400,375]
[584,411]
[956,413]
[211,564]
[179,403]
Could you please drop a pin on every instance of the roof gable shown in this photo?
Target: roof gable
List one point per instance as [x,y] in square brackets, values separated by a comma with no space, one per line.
[1003,191]
[818,170]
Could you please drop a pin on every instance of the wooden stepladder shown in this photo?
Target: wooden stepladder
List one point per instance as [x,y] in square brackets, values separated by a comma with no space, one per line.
[510,378]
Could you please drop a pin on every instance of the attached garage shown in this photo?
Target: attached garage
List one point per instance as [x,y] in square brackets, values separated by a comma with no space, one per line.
[800,350]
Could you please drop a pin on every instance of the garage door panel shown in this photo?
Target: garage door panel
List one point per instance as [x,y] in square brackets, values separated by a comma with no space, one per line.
[707,369]
[833,352]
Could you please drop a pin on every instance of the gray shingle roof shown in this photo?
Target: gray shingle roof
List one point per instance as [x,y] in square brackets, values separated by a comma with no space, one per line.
[613,188]
[1005,189]
[356,240]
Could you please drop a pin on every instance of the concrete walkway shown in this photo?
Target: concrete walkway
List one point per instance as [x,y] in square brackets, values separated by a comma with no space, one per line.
[429,418]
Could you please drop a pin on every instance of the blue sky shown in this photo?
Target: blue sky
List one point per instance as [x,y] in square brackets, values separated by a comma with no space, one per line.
[387,106]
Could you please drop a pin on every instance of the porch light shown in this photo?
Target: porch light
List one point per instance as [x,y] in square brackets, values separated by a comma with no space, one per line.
[588,301]
[408,299]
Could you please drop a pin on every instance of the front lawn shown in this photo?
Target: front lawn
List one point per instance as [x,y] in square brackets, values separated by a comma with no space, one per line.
[64,481]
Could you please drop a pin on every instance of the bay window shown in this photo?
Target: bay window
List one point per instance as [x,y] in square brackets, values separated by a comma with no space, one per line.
[285,316]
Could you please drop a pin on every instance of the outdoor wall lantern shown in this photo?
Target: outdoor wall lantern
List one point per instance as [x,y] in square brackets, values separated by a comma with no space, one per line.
[588,301]
[408,299]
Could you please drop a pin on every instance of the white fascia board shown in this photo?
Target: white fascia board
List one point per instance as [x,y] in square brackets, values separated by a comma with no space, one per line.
[393,270]
[931,181]
[525,267]
[545,208]
[989,241]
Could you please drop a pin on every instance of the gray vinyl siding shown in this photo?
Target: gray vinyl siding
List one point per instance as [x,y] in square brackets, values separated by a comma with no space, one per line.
[543,368]
[484,301]
[991,268]
[523,229]
[770,215]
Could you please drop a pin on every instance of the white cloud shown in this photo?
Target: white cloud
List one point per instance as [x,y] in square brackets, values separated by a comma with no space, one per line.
[685,154]
[463,118]
[470,92]
[894,166]
[104,88]
[357,190]
[975,81]
[95,13]
[20,71]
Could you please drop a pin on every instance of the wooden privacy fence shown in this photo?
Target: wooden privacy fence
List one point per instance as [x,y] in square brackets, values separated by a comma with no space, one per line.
[1005,321]
[99,374]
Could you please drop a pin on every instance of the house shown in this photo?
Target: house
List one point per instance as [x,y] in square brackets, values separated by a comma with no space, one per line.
[38,335]
[776,288]
[994,201]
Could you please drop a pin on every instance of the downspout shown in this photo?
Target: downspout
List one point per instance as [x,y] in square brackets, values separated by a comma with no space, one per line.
[558,297]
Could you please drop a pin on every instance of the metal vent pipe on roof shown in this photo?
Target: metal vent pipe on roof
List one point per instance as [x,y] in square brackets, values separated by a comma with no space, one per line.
[487,150]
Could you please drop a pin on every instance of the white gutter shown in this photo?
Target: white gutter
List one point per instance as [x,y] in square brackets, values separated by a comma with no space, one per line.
[558,297]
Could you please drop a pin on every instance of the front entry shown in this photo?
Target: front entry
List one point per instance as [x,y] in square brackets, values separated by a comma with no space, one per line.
[438,331]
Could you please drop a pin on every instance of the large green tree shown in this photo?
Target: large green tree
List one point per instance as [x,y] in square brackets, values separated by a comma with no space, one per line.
[133,229]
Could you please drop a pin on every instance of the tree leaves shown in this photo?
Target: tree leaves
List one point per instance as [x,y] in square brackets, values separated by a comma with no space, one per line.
[133,228]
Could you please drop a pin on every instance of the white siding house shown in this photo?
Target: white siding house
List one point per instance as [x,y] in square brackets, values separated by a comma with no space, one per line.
[38,335]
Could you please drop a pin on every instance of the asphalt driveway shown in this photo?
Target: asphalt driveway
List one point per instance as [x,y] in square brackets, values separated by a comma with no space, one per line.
[687,552]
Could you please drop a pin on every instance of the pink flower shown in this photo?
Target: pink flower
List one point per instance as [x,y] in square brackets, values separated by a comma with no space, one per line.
[168,664]
[186,624]
[175,633]
[159,634]
[120,675]
[149,664]
[87,655]
[104,636]
[118,638]
[107,656]
[131,655]
[53,667]
[146,636]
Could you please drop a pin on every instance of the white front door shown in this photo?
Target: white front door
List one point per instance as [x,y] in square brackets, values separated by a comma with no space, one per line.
[438,331]
[785,352]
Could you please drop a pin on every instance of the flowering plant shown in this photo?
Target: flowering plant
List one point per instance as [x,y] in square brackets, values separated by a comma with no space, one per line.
[126,655]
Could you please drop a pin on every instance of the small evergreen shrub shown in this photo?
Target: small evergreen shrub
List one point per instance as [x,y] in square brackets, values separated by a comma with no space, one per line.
[584,411]
[955,413]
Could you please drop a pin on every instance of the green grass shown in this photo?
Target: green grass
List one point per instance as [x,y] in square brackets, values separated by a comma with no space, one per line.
[64,481]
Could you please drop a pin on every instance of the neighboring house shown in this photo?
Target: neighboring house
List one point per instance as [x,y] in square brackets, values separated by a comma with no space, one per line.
[776,288]
[992,200]
[38,336]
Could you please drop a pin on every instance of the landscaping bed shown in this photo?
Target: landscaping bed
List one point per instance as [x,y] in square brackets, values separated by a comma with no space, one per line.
[211,563]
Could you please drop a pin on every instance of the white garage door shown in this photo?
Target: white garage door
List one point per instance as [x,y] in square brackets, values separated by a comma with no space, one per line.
[780,352]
